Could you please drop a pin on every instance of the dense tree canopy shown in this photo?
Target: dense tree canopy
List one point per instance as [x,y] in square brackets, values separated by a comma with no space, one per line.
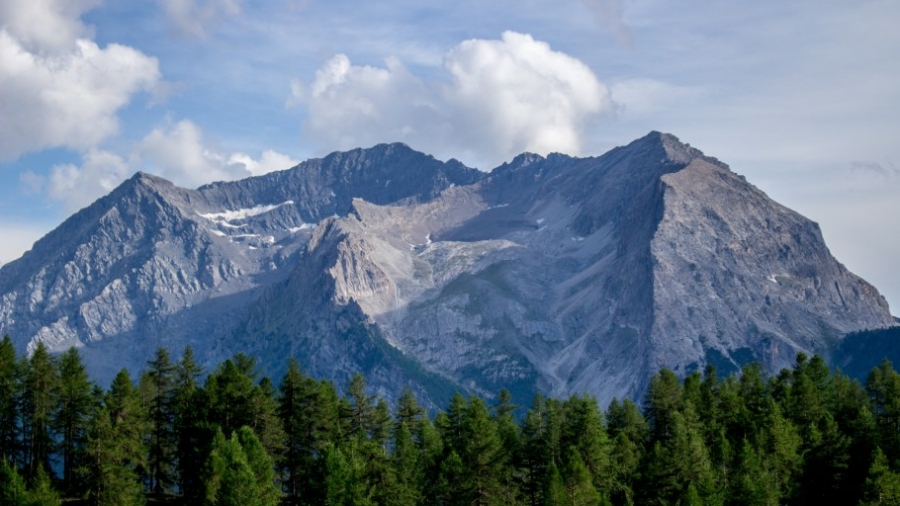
[808,435]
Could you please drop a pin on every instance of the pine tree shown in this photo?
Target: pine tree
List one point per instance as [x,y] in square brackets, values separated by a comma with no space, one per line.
[534,452]
[262,466]
[481,455]
[359,414]
[42,492]
[290,403]
[579,482]
[629,433]
[583,429]
[883,387]
[187,424]
[882,485]
[407,466]
[555,493]
[12,486]
[755,484]
[162,444]
[115,450]
[112,479]
[234,483]
[71,418]
[41,379]
[663,400]
[9,401]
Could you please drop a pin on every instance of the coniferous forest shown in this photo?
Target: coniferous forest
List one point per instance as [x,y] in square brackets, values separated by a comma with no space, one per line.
[181,435]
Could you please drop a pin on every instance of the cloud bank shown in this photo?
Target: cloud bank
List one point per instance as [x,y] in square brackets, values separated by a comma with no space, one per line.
[497,98]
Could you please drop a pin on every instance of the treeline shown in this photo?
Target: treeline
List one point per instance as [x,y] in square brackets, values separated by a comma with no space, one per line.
[176,435]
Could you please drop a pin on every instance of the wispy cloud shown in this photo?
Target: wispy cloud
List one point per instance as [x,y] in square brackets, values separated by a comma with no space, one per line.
[886,170]
[609,14]
[193,17]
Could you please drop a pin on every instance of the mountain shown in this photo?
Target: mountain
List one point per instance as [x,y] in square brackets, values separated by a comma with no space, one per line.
[554,273]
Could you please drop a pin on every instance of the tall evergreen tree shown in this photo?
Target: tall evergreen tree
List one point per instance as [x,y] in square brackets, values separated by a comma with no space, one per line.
[290,403]
[71,418]
[160,387]
[579,483]
[188,424]
[42,492]
[9,401]
[663,400]
[41,379]
[262,466]
[481,455]
[583,429]
[116,453]
[882,485]
[534,453]
[883,387]
[12,486]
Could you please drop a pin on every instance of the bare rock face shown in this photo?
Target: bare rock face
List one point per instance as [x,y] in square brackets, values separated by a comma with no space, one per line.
[560,274]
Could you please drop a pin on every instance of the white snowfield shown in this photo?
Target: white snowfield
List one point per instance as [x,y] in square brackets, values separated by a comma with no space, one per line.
[240,214]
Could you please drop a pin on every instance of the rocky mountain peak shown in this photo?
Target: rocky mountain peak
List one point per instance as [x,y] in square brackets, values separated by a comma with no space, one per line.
[555,273]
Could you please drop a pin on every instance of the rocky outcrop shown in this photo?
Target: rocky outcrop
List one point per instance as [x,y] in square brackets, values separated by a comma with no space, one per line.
[554,273]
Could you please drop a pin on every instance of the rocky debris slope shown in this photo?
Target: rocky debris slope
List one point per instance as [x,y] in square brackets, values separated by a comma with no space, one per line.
[554,273]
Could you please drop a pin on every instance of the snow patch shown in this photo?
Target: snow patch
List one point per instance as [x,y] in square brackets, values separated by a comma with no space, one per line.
[303,226]
[240,214]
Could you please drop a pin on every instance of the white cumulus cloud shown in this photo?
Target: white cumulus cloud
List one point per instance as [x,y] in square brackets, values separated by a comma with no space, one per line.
[46,25]
[57,89]
[497,99]
[177,152]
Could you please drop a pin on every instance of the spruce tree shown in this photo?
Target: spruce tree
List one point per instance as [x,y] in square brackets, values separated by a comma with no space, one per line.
[535,452]
[160,379]
[290,403]
[262,466]
[42,492]
[41,380]
[481,455]
[882,485]
[115,449]
[9,401]
[578,481]
[188,408]
[71,418]
[12,486]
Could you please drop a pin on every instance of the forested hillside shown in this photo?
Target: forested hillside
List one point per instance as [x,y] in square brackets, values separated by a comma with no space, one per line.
[180,435]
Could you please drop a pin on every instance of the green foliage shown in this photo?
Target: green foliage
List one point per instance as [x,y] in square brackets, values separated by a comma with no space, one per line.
[71,417]
[9,396]
[239,472]
[805,436]
[12,486]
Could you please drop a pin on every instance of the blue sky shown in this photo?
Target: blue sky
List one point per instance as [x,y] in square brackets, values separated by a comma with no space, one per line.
[801,97]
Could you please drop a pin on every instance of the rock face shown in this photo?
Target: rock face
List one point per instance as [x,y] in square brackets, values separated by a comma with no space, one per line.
[560,274]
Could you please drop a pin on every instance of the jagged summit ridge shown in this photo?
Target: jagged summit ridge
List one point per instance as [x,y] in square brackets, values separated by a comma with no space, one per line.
[556,273]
